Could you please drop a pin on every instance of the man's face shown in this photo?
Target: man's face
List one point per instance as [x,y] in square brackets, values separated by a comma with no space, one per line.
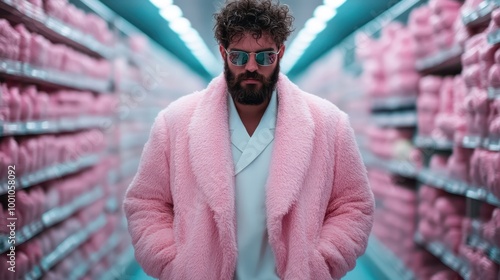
[251,84]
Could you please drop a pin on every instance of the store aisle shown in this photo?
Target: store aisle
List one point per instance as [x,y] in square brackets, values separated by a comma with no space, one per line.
[361,271]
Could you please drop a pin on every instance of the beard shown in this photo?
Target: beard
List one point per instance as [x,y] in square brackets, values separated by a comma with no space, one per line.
[251,94]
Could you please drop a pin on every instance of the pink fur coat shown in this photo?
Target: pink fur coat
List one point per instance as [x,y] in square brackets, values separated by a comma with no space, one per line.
[180,205]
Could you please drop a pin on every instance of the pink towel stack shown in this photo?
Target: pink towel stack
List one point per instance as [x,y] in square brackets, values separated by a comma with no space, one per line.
[441,217]
[444,15]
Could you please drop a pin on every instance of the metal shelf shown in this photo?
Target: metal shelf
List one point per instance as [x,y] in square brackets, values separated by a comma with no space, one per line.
[394,102]
[475,142]
[389,264]
[53,172]
[442,61]
[55,30]
[65,248]
[446,256]
[432,143]
[457,187]
[30,73]
[396,119]
[491,251]
[116,271]
[51,218]
[53,126]
[494,93]
[480,16]
[398,167]
[94,258]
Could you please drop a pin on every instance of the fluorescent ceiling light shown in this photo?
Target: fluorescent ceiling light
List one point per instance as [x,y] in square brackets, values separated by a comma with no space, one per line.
[180,25]
[315,25]
[324,13]
[171,12]
[191,36]
[334,4]
[162,4]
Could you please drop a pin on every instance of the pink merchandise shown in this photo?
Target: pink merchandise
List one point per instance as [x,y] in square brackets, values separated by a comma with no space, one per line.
[9,41]
[25,43]
[55,8]
[39,51]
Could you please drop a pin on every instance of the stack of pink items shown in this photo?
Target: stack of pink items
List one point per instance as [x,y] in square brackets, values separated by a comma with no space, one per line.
[33,202]
[395,225]
[428,104]
[444,14]
[85,252]
[480,72]
[18,44]
[440,107]
[483,173]
[389,143]
[481,267]
[420,27]
[36,153]
[450,122]
[21,103]
[440,217]
[29,254]
[393,73]
[89,24]
[486,228]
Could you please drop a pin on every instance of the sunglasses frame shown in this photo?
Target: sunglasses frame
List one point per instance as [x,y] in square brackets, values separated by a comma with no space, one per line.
[249,53]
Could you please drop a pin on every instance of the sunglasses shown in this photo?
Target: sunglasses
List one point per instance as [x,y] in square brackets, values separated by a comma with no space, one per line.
[240,58]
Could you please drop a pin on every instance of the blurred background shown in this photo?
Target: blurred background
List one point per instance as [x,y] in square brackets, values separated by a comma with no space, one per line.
[81,82]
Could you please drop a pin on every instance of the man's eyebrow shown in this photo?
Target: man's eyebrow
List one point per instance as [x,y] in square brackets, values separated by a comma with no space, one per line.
[261,50]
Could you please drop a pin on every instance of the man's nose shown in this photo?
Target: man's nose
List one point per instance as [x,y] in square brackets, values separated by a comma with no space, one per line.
[251,65]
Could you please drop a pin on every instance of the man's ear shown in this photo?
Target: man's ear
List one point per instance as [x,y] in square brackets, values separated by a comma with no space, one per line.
[222,52]
[282,52]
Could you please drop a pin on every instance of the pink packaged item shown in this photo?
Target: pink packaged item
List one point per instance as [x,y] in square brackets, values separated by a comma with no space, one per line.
[440,6]
[56,8]
[25,43]
[494,76]
[9,41]
[39,51]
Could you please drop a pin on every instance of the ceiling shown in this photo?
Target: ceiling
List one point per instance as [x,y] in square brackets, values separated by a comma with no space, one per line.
[351,15]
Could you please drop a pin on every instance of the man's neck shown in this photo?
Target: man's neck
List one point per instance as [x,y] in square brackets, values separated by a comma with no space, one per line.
[251,115]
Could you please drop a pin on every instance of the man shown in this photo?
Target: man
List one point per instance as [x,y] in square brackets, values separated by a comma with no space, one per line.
[250,178]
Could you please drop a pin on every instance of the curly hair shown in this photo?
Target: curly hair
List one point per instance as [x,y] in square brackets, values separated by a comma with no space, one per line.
[257,17]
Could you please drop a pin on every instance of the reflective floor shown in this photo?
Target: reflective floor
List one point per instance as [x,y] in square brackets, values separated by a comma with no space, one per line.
[362,271]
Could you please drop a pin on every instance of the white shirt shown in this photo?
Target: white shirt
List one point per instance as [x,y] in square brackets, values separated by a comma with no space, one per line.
[252,159]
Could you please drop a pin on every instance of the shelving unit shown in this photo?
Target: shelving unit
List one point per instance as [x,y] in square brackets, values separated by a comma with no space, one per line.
[446,256]
[431,143]
[388,263]
[494,93]
[448,60]
[396,119]
[53,172]
[489,250]
[479,16]
[122,262]
[29,73]
[401,168]
[83,268]
[475,142]
[54,29]
[457,187]
[51,218]
[53,126]
[65,248]
[394,102]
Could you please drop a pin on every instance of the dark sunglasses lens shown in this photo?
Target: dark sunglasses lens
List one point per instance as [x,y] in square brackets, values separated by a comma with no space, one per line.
[265,58]
[238,58]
